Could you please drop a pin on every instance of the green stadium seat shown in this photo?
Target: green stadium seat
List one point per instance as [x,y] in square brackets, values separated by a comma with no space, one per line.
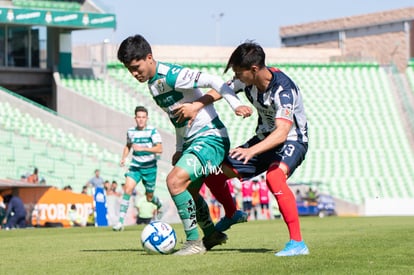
[355,151]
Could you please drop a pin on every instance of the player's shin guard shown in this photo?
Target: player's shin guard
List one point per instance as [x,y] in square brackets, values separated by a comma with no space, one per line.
[276,181]
[219,188]
[187,212]
[203,216]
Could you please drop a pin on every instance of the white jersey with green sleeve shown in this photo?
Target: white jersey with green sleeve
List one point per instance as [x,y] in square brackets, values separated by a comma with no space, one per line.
[173,85]
[147,137]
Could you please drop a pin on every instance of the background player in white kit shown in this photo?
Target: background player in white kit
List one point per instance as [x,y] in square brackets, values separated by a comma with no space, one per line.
[200,146]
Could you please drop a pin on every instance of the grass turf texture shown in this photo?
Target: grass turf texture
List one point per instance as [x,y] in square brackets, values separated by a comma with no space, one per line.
[338,245]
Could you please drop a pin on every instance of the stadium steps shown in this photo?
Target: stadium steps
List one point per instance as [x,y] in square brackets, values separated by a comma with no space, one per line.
[410,74]
[111,94]
[62,158]
[358,147]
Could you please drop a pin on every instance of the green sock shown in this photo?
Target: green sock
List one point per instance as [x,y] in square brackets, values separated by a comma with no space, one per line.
[203,216]
[187,212]
[155,200]
[124,207]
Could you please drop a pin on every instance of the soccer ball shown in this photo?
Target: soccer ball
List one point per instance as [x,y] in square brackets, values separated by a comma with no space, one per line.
[158,238]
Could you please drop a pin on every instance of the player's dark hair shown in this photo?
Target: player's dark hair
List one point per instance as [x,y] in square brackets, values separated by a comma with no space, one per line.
[133,48]
[247,55]
[141,109]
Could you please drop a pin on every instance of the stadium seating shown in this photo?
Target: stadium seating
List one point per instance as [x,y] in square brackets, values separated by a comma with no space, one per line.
[62,158]
[410,74]
[358,148]
[112,94]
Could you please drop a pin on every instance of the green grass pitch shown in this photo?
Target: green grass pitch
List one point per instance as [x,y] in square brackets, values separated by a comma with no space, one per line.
[338,245]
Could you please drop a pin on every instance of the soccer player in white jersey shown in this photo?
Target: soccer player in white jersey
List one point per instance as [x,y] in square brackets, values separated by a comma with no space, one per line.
[200,145]
[281,139]
[146,143]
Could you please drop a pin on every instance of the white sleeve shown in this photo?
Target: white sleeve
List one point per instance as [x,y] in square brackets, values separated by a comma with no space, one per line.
[236,85]
[190,79]
[156,137]
[216,83]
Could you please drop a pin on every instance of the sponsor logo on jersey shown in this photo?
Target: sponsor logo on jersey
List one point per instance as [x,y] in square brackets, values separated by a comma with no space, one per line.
[188,74]
[286,113]
[160,85]
[197,76]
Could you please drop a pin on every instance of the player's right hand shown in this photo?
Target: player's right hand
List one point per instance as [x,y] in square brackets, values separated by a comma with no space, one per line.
[122,163]
[244,111]
[186,111]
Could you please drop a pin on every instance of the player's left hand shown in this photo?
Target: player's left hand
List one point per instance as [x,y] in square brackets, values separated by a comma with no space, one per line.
[244,111]
[240,153]
[186,111]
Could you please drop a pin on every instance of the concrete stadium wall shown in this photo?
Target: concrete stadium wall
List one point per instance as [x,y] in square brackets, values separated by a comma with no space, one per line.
[388,207]
[346,208]
[347,22]
[386,48]
[103,120]
[97,55]
[63,121]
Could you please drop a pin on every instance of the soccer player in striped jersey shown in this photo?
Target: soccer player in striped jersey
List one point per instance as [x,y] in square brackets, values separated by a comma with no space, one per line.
[200,145]
[146,143]
[281,139]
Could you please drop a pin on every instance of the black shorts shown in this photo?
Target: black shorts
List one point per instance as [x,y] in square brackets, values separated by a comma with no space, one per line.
[247,205]
[291,153]
[143,220]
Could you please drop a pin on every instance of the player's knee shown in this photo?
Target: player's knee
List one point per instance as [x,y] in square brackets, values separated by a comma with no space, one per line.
[175,183]
[129,187]
[274,177]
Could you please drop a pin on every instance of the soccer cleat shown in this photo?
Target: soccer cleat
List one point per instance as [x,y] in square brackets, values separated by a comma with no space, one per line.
[214,239]
[157,202]
[293,248]
[118,227]
[159,215]
[225,223]
[191,248]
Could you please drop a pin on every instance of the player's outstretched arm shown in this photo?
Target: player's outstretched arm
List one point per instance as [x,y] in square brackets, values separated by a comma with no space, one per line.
[188,111]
